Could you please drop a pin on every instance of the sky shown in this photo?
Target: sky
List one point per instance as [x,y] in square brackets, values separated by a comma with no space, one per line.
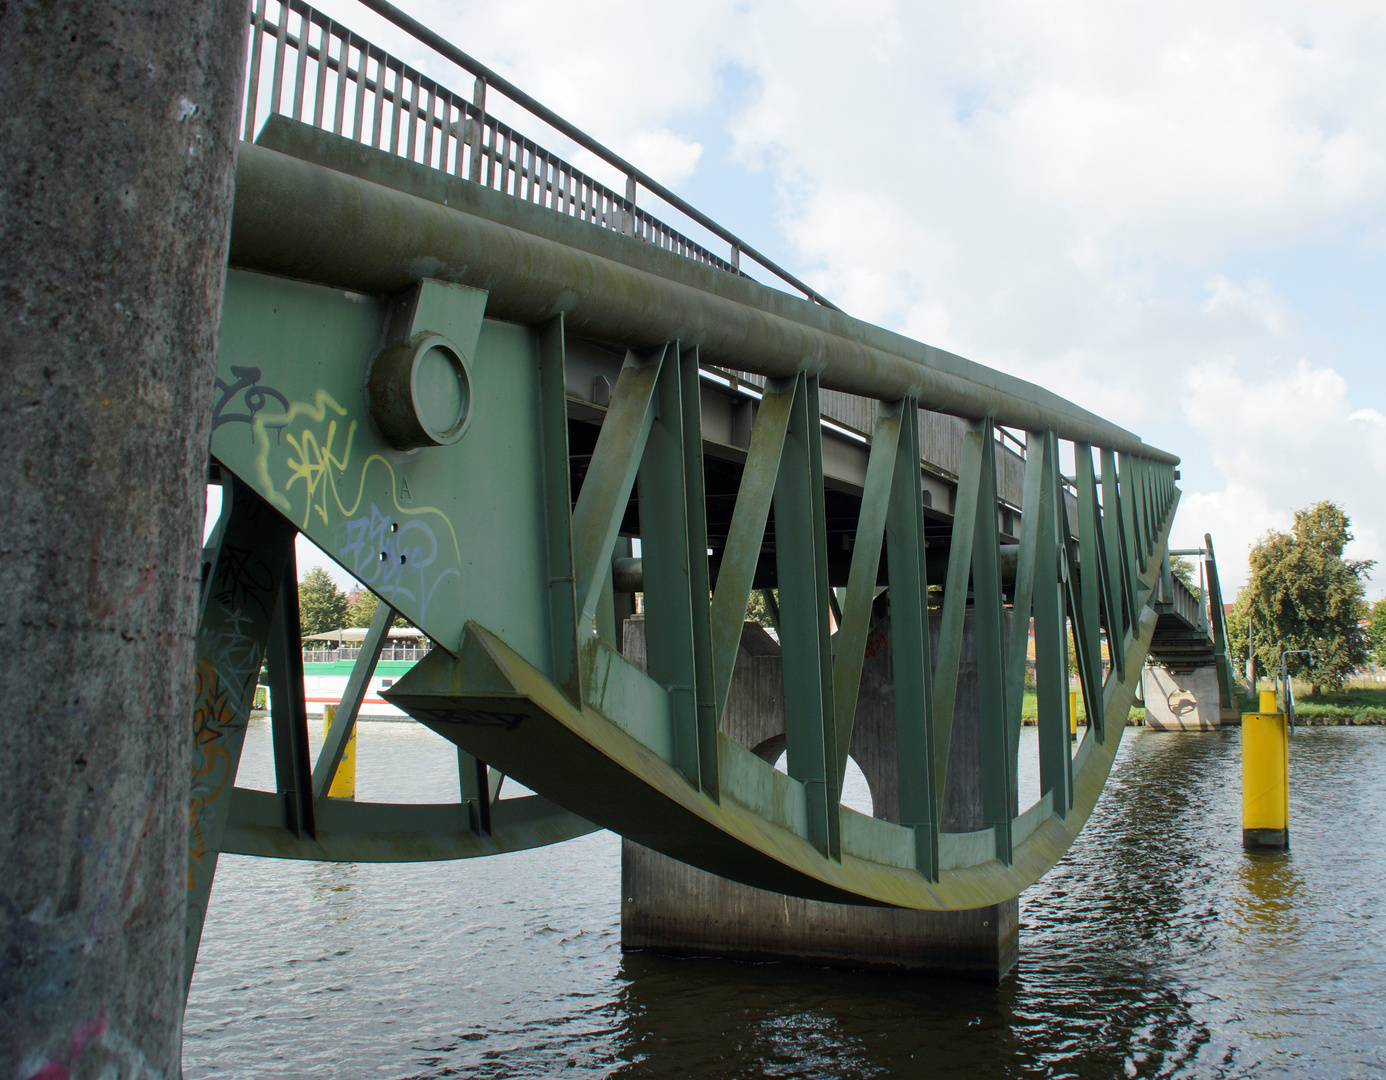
[1173,215]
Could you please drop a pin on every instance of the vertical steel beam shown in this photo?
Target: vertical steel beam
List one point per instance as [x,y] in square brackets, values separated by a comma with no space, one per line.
[699,578]
[950,637]
[1118,564]
[558,505]
[1149,526]
[1051,639]
[909,644]
[474,789]
[673,543]
[293,769]
[1135,547]
[989,635]
[1219,627]
[802,570]
[1086,585]
[850,653]
[1022,604]
[253,544]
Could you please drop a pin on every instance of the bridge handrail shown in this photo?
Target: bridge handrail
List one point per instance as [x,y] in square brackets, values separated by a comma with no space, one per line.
[494,154]
[1218,618]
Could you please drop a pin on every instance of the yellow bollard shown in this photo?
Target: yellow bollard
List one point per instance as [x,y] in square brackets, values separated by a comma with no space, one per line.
[1073,714]
[344,782]
[1265,778]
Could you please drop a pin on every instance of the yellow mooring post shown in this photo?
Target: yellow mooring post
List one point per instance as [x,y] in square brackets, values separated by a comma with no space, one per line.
[1265,778]
[344,782]
[1073,714]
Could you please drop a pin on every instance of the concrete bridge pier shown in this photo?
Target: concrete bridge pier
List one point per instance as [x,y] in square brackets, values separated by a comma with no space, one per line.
[1184,700]
[670,907]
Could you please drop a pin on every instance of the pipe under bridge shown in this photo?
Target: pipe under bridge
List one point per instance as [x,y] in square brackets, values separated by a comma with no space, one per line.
[477,377]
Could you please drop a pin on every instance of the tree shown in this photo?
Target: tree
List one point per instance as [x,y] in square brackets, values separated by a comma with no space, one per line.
[1376,632]
[756,609]
[361,605]
[1184,571]
[1237,622]
[321,605]
[1305,595]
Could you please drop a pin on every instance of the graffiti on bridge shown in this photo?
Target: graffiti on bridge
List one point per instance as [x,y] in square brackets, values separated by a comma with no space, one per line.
[397,559]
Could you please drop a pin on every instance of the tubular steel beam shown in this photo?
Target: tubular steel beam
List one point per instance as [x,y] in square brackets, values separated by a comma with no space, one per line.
[302,220]
[475,67]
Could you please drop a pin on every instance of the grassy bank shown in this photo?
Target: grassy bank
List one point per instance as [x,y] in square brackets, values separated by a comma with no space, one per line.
[1351,706]
[1029,712]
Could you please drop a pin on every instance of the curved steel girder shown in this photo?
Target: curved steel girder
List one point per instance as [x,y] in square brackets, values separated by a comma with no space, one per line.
[349,831]
[494,704]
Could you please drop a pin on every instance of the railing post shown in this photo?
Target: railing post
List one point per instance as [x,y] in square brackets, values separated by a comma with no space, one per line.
[474,136]
[628,215]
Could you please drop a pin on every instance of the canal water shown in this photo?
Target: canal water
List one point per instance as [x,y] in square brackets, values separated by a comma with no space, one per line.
[1156,948]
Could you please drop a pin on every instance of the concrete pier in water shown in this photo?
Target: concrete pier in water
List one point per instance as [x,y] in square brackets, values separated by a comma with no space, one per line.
[670,907]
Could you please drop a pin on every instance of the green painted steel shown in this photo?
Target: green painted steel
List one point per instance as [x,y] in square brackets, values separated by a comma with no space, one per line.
[393,384]
[245,562]
[299,219]
[291,421]
[335,741]
[639,750]
[911,653]
[850,650]
[1222,658]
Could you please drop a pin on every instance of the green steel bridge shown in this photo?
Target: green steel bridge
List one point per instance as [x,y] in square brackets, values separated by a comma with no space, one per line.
[507,399]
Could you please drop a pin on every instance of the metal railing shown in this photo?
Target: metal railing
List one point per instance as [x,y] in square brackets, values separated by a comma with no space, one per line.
[305,65]
[351,652]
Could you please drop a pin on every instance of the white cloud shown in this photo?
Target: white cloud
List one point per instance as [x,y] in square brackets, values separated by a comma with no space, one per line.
[1284,438]
[1082,193]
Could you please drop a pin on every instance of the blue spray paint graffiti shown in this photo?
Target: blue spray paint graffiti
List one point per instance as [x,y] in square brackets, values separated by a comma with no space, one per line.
[394,558]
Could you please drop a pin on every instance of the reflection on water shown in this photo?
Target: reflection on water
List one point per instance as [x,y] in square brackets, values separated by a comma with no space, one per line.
[1156,948]
[1266,905]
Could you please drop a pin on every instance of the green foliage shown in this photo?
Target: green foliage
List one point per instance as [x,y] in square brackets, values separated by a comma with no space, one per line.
[1305,595]
[1184,570]
[321,605]
[361,605]
[756,609]
[1237,622]
[1376,632]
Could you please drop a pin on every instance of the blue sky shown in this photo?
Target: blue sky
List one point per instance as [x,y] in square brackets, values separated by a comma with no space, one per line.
[1173,214]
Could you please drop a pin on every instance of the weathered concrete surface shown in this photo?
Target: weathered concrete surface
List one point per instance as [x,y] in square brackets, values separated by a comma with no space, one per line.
[668,906]
[1187,701]
[671,907]
[117,144]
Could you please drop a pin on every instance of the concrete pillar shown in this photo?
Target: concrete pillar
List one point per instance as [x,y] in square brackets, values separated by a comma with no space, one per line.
[117,145]
[1181,701]
[670,907]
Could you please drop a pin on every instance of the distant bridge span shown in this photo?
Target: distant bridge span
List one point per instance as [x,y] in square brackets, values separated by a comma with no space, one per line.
[477,377]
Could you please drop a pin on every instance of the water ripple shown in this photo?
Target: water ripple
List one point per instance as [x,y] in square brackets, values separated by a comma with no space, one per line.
[1156,948]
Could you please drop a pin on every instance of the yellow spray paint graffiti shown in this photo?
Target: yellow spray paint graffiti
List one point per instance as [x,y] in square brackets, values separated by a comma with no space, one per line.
[317,466]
